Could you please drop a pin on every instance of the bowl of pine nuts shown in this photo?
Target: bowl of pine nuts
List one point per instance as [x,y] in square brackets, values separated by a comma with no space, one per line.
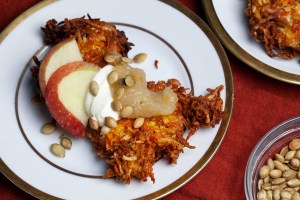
[273,168]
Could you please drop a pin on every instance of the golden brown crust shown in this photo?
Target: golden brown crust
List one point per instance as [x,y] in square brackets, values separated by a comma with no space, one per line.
[277,25]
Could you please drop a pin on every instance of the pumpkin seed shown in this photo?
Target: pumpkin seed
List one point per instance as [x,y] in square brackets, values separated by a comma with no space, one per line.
[279,165]
[262,195]
[276,194]
[295,162]
[294,144]
[129,81]
[294,182]
[112,77]
[93,124]
[289,174]
[275,173]
[297,155]
[141,57]
[278,181]
[104,130]
[290,155]
[126,111]
[279,157]
[110,122]
[284,151]
[270,163]
[264,171]
[116,105]
[48,128]
[94,88]
[57,150]
[66,142]
[138,123]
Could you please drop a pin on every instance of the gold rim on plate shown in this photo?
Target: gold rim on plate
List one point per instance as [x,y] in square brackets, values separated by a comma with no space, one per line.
[240,53]
[208,154]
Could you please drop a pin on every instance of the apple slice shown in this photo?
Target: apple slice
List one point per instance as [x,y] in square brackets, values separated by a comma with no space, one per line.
[65,95]
[62,53]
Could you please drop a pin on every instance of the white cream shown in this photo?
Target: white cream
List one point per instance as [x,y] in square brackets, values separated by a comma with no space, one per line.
[99,106]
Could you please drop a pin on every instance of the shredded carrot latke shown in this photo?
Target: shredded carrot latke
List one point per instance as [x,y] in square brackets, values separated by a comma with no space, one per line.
[132,152]
[277,24]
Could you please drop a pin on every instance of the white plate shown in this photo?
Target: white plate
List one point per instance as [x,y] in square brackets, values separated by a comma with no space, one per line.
[228,20]
[168,32]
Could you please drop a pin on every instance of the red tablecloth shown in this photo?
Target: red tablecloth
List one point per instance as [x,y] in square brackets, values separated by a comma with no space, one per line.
[260,103]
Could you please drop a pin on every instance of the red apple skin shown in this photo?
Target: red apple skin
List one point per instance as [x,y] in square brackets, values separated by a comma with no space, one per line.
[58,111]
[45,61]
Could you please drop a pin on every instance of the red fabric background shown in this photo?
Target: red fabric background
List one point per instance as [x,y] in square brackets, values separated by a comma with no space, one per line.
[260,103]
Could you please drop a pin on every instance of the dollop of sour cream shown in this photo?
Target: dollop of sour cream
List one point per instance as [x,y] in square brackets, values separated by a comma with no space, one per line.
[99,106]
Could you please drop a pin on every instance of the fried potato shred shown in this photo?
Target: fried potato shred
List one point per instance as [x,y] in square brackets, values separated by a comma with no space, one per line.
[277,25]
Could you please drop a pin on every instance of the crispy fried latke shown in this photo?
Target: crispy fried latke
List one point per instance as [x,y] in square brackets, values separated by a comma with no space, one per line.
[95,38]
[132,152]
[277,24]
